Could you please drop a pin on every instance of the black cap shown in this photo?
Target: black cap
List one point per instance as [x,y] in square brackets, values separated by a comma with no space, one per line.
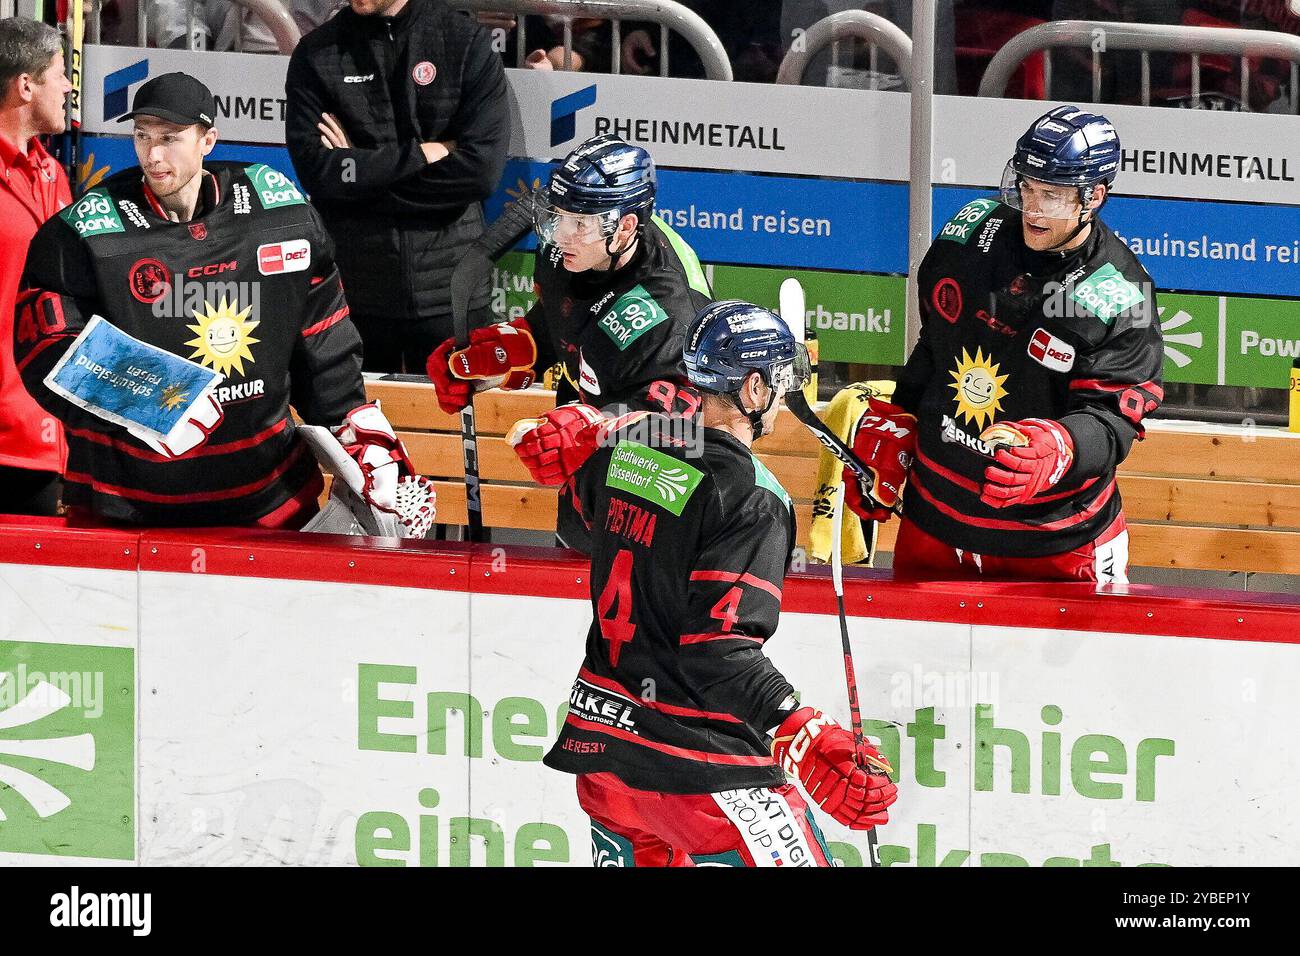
[176,98]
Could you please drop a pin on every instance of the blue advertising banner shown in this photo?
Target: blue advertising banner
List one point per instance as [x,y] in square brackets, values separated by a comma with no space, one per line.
[751,219]
[1193,245]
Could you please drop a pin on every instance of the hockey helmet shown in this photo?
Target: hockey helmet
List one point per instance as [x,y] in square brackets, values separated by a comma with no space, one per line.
[598,184]
[1064,147]
[730,339]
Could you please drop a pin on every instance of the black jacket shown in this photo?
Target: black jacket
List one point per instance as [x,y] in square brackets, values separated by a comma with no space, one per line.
[252,270]
[399,224]
[1009,334]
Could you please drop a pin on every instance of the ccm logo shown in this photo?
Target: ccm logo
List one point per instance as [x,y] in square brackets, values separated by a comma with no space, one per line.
[212,269]
[1049,351]
[276,257]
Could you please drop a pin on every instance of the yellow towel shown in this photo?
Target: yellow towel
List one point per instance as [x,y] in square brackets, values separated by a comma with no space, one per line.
[841,414]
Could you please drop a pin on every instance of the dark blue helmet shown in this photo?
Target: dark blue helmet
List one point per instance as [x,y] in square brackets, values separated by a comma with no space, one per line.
[605,178]
[728,340]
[1068,147]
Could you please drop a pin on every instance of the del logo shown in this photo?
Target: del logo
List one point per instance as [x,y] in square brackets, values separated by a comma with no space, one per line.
[1049,351]
[67,750]
[273,188]
[293,255]
[93,215]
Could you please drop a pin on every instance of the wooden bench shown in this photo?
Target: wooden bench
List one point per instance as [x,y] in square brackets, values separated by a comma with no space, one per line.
[1204,497]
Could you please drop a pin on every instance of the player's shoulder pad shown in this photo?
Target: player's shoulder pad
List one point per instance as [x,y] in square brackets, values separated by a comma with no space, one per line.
[744,483]
[678,249]
[632,315]
[271,188]
[653,474]
[1113,285]
[94,214]
[966,223]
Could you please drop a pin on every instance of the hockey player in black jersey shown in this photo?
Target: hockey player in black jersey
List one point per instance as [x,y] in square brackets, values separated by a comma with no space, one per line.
[616,289]
[672,715]
[227,266]
[1039,357]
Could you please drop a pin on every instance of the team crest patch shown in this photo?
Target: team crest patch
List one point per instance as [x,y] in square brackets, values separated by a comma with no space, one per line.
[198,230]
[946,299]
[149,281]
[424,72]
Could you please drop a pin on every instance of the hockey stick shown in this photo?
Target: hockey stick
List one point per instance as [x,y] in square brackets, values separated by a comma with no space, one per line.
[474,268]
[850,675]
[792,311]
[74,97]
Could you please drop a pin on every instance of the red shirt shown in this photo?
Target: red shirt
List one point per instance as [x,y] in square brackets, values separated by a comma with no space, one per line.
[33,187]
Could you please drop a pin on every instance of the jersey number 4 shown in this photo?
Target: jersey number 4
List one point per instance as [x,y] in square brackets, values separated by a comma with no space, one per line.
[617,627]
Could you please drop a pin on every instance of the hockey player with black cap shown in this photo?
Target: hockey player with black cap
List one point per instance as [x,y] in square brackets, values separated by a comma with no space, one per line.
[689,555]
[1039,357]
[226,265]
[616,289]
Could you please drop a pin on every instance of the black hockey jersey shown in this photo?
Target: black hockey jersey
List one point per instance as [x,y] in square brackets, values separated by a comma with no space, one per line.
[619,334]
[248,287]
[1008,334]
[688,561]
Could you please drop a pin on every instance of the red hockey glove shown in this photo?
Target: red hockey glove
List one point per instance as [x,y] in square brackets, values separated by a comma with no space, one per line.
[554,446]
[198,425]
[367,436]
[852,787]
[498,356]
[1033,454]
[885,439]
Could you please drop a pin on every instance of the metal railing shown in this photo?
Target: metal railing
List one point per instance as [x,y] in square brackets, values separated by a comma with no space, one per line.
[273,13]
[670,16]
[1100,36]
[874,30]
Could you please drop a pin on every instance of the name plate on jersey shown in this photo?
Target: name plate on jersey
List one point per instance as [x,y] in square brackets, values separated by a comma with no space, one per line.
[121,379]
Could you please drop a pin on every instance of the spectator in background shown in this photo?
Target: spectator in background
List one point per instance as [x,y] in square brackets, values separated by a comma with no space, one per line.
[235,27]
[33,187]
[397,126]
[750,33]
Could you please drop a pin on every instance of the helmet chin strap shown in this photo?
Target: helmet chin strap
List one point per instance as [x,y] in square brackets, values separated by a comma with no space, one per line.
[755,418]
[614,256]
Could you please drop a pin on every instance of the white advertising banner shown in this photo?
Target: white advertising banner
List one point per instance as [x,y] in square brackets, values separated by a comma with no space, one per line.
[315,723]
[296,722]
[68,645]
[748,127]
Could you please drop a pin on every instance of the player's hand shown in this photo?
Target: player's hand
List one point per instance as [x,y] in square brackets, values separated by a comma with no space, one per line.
[1032,456]
[555,446]
[852,786]
[885,439]
[368,438]
[332,134]
[200,422]
[498,356]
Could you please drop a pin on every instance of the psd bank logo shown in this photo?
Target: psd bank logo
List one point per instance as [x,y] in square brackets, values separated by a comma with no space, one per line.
[564,113]
[67,750]
[117,88]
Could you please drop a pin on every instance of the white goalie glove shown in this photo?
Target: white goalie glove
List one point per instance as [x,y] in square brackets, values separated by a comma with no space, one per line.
[190,433]
[375,490]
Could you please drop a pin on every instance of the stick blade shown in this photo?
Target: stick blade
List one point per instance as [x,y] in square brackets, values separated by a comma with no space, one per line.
[793,309]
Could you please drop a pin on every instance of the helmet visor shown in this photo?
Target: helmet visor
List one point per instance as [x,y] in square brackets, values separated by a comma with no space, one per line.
[792,375]
[555,225]
[1037,198]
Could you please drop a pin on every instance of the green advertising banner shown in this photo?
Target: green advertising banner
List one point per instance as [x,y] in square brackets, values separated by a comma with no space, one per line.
[1261,338]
